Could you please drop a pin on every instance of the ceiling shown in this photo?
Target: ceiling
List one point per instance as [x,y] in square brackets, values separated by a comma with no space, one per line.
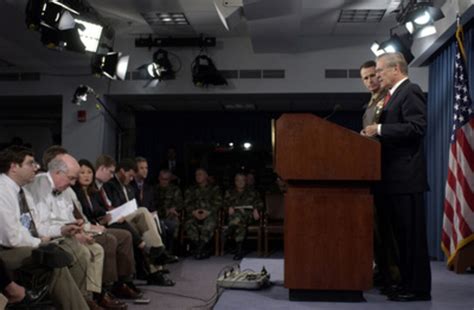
[275,26]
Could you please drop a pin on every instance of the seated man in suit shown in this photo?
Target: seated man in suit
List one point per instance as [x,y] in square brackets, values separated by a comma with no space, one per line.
[202,202]
[114,190]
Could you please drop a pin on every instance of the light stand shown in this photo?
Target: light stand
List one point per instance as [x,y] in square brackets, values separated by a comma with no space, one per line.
[80,96]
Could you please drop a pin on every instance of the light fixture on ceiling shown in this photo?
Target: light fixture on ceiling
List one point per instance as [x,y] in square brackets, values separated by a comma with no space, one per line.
[205,72]
[419,17]
[89,33]
[112,65]
[394,44]
[57,15]
[159,69]
[230,12]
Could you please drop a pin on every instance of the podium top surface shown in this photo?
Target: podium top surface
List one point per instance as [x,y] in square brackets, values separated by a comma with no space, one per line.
[310,148]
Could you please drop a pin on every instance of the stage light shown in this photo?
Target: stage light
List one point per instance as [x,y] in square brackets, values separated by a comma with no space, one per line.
[57,15]
[247,146]
[419,18]
[89,34]
[112,65]
[396,44]
[375,48]
[205,72]
[80,95]
[160,69]
[229,11]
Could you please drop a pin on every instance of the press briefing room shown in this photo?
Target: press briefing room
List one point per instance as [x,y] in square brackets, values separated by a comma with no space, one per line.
[236,154]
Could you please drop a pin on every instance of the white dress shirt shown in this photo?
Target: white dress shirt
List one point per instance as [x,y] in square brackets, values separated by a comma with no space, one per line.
[51,212]
[12,232]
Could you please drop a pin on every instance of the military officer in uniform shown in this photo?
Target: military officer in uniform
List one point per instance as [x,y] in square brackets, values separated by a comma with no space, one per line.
[202,202]
[243,206]
[169,204]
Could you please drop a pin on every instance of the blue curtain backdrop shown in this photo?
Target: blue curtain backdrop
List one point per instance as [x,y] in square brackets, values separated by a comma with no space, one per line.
[440,115]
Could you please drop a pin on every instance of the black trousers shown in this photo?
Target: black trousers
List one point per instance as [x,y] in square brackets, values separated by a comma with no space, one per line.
[408,219]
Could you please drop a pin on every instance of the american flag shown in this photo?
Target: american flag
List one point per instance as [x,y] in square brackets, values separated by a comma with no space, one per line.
[458,221]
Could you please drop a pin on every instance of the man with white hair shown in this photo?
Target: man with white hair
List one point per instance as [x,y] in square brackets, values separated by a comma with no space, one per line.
[53,212]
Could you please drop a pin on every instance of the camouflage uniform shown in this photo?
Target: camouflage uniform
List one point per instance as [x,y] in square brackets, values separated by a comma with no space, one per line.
[165,199]
[242,218]
[208,198]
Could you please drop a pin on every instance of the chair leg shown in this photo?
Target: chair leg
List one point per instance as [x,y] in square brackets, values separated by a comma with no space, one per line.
[259,243]
[266,244]
[217,243]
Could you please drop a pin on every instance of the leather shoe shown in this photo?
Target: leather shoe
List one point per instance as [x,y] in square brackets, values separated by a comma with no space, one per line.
[93,306]
[134,288]
[159,279]
[110,302]
[410,296]
[124,292]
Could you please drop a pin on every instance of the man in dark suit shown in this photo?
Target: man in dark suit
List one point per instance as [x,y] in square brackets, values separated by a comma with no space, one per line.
[404,180]
[143,190]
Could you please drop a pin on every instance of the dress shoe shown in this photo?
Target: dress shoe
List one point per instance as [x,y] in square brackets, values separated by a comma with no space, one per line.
[124,292]
[110,302]
[410,296]
[93,305]
[159,279]
[166,258]
[389,290]
[134,288]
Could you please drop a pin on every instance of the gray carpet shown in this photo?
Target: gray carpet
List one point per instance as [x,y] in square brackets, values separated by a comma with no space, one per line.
[196,279]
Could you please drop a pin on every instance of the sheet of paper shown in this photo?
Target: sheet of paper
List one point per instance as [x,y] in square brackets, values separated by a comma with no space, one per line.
[122,211]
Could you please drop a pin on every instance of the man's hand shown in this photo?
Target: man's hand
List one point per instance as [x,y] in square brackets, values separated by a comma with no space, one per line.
[256,215]
[104,220]
[98,229]
[84,238]
[172,212]
[14,292]
[70,230]
[370,131]
[231,210]
[45,239]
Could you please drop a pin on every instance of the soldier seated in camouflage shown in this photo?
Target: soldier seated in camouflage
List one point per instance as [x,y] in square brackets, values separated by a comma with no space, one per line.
[202,202]
[169,204]
[243,205]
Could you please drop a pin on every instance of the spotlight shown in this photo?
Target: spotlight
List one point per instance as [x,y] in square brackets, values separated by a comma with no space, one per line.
[247,146]
[160,69]
[89,34]
[112,65]
[205,72]
[58,16]
[229,11]
[80,95]
[395,44]
[419,17]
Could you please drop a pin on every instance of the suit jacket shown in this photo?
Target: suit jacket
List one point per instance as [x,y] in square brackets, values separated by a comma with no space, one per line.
[148,196]
[403,122]
[115,193]
[92,209]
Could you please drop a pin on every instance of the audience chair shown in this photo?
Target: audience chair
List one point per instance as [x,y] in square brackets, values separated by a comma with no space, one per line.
[254,232]
[273,219]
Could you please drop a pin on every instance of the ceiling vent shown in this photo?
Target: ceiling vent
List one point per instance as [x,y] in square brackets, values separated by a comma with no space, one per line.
[361,16]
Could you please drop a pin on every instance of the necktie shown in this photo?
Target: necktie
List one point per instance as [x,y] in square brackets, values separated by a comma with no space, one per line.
[386,99]
[103,197]
[24,209]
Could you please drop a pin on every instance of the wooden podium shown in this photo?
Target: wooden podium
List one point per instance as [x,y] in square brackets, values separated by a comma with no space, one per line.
[328,207]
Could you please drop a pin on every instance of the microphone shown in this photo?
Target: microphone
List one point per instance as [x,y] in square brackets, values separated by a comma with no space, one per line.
[337,107]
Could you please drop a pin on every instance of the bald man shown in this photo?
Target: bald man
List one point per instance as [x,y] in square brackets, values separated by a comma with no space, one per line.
[53,214]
